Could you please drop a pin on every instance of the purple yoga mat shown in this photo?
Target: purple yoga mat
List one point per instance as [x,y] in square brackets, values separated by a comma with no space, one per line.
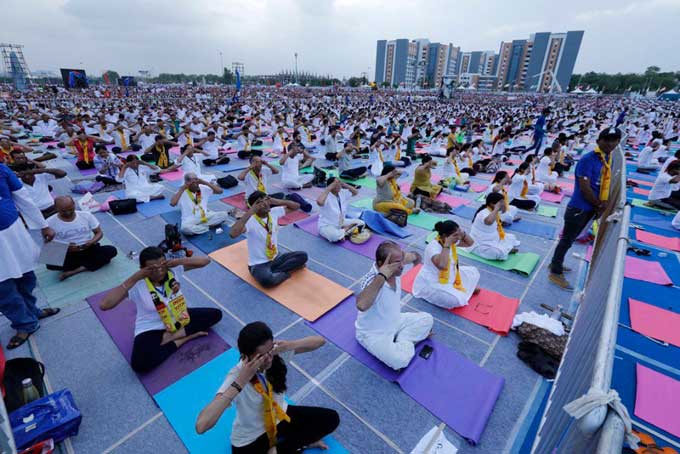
[448,385]
[120,324]
[88,171]
[367,249]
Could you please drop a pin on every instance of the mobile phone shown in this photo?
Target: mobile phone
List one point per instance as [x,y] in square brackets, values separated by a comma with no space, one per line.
[426,352]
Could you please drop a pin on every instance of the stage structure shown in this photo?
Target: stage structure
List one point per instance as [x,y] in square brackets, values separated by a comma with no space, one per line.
[238,66]
[15,65]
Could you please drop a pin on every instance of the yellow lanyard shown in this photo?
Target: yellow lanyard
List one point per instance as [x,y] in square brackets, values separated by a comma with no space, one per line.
[196,199]
[85,147]
[270,248]
[605,174]
[123,142]
[163,161]
[499,226]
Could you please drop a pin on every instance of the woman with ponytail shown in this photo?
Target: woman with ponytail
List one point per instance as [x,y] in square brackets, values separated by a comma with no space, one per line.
[519,191]
[442,281]
[545,173]
[491,240]
[264,421]
[500,185]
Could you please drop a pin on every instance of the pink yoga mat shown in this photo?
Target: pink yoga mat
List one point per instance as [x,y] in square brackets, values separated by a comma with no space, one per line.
[452,200]
[641,270]
[173,176]
[550,197]
[657,399]
[641,191]
[658,240]
[654,322]
[642,182]
[476,187]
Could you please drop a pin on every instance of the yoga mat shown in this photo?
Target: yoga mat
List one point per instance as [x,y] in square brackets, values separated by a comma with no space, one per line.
[452,200]
[476,187]
[657,399]
[306,293]
[87,172]
[379,224]
[642,182]
[450,386]
[234,164]
[183,401]
[551,197]
[467,212]
[641,191]
[206,242]
[538,229]
[424,220]
[641,203]
[641,270]
[366,203]
[239,201]
[655,322]
[172,176]
[657,220]
[489,309]
[155,207]
[658,240]
[77,288]
[367,249]
[547,211]
[641,176]
[120,324]
[365,182]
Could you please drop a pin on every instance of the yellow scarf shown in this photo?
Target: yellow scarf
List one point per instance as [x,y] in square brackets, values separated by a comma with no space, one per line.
[163,161]
[259,128]
[505,198]
[396,192]
[470,163]
[397,157]
[499,226]
[455,165]
[247,147]
[380,155]
[177,306]
[190,141]
[196,199]
[162,131]
[260,183]
[358,141]
[123,142]
[6,155]
[605,174]
[270,246]
[85,146]
[445,274]
[309,136]
[525,189]
[272,411]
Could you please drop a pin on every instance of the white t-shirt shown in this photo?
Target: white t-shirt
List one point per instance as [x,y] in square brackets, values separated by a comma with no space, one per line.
[251,181]
[662,187]
[646,158]
[329,213]
[290,170]
[248,423]
[78,231]
[212,148]
[40,191]
[384,316]
[257,236]
[191,210]
[147,318]
[146,140]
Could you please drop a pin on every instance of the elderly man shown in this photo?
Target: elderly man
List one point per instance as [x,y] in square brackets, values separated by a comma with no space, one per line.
[82,232]
[36,182]
[193,197]
[381,327]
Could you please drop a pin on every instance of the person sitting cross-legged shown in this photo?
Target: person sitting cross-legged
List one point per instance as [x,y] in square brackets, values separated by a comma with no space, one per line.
[82,232]
[193,197]
[260,225]
[334,201]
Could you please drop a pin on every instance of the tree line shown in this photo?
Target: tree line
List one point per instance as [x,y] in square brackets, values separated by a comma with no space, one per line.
[652,79]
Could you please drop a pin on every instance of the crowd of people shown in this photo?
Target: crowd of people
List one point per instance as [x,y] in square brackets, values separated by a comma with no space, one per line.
[413,145]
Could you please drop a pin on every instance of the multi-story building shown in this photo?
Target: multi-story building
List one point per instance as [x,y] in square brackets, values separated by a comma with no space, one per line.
[415,63]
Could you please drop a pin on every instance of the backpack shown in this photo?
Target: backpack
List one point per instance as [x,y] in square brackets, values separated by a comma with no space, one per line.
[15,371]
[227,182]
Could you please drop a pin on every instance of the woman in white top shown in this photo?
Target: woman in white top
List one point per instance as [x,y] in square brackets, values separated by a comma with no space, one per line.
[491,241]
[500,184]
[442,281]
[291,162]
[535,186]
[545,173]
[163,323]
[333,203]
[662,194]
[519,192]
[264,421]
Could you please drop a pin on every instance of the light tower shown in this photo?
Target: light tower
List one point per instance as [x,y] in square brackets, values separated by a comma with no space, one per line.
[15,64]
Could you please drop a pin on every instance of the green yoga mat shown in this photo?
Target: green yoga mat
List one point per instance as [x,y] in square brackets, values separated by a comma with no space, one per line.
[364,204]
[424,220]
[547,211]
[523,263]
[76,288]
[641,203]
[365,182]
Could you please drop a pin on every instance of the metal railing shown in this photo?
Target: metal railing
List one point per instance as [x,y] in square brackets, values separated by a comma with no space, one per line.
[588,359]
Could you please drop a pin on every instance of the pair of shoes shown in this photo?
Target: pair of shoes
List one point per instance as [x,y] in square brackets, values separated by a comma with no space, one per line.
[560,281]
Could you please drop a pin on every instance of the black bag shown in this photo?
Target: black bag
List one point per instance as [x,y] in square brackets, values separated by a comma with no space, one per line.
[154,178]
[123,206]
[173,239]
[16,370]
[227,182]
[399,217]
[319,179]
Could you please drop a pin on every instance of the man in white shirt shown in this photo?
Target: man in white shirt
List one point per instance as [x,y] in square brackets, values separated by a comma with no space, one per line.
[193,197]
[646,159]
[662,194]
[333,203]
[381,327]
[135,176]
[260,225]
[146,137]
[256,177]
[211,146]
[36,182]
[82,232]
[291,162]
[46,126]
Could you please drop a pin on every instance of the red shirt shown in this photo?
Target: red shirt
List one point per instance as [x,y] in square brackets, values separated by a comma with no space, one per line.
[85,150]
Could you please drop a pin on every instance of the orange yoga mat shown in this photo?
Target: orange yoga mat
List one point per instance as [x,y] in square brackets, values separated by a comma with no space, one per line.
[487,308]
[306,293]
[239,201]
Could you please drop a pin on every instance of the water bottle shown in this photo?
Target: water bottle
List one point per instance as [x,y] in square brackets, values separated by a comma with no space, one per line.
[29,393]
[557,312]
[418,202]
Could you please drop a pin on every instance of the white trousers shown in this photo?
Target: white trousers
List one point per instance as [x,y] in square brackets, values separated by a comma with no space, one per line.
[144,193]
[297,183]
[335,234]
[196,227]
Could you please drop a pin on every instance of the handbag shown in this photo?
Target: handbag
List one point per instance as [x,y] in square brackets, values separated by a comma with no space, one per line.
[398,216]
[123,206]
[227,182]
[14,372]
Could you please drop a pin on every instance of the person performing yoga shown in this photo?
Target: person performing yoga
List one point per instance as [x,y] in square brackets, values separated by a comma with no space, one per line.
[189,162]
[388,195]
[256,177]
[333,203]
[292,161]
[545,173]
[500,184]
[159,152]
[82,232]
[381,328]
[261,227]
[519,192]
[442,281]
[36,181]
[193,197]
[108,166]
[163,322]
[422,179]
[84,149]
[662,194]
[265,423]
[135,177]
[346,168]
[491,240]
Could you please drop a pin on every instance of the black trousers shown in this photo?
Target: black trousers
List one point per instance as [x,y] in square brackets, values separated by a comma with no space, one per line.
[82,165]
[523,204]
[307,425]
[49,211]
[671,203]
[575,220]
[216,162]
[271,274]
[147,351]
[92,258]
[561,168]
[247,154]
[352,174]
[108,181]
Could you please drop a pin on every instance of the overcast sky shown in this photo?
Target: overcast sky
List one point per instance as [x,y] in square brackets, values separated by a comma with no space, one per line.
[330,36]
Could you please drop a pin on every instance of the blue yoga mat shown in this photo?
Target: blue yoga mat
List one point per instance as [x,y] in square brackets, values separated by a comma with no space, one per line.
[656,220]
[207,242]
[234,164]
[668,260]
[641,176]
[624,382]
[377,222]
[524,225]
[183,401]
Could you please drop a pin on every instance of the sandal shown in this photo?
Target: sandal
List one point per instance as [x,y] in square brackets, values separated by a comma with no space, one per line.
[48,312]
[17,341]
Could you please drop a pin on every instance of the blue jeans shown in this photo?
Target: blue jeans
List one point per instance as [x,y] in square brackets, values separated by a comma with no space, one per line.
[17,302]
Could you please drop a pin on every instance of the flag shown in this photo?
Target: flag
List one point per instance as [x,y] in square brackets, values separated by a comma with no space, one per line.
[238,80]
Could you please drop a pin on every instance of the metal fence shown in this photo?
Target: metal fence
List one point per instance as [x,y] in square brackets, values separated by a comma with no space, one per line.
[589,356]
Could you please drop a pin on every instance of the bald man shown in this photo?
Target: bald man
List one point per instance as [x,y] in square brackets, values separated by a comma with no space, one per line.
[82,232]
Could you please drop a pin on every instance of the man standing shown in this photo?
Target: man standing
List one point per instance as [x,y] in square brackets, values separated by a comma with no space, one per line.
[539,132]
[19,256]
[193,197]
[591,192]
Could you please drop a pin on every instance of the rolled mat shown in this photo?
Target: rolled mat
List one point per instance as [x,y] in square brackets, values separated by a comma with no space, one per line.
[448,385]
[120,324]
[183,401]
[367,249]
[379,224]
[206,242]
[239,201]
[489,309]
[306,293]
